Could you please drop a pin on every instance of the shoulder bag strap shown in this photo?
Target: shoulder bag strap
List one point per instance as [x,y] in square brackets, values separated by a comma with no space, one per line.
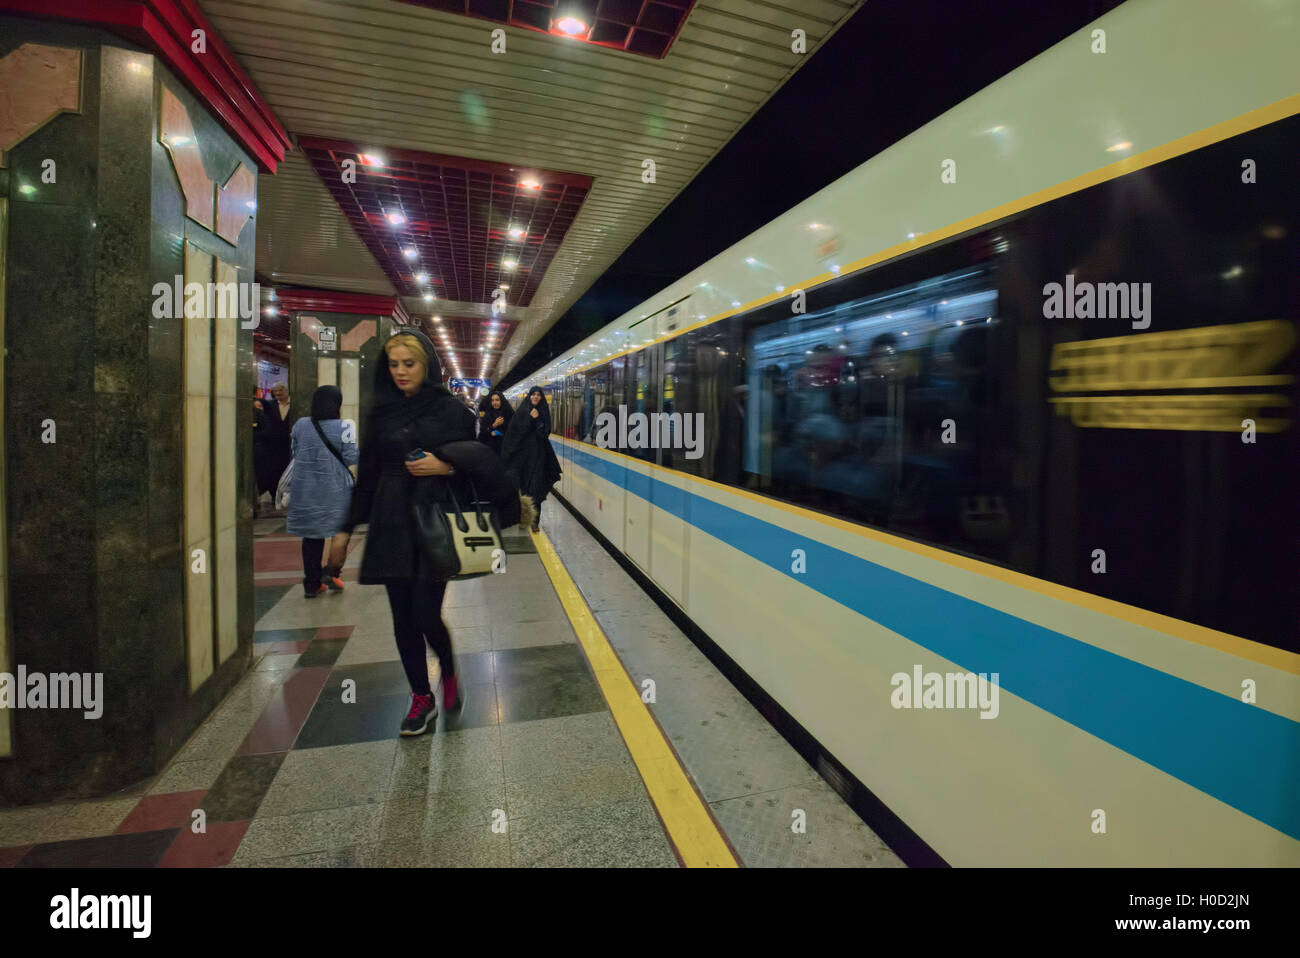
[330,446]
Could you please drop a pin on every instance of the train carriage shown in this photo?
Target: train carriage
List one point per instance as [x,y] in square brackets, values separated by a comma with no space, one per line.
[1013,399]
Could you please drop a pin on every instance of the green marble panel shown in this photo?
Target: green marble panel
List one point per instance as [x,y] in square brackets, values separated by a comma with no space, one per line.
[123,286]
[122,483]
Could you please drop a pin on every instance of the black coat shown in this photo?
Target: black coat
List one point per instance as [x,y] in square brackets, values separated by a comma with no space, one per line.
[488,417]
[271,443]
[397,424]
[528,455]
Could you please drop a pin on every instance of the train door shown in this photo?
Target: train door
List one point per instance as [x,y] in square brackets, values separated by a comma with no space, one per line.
[643,397]
[668,540]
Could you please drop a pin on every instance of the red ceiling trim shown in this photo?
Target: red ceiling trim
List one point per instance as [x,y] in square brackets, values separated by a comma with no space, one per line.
[456,211]
[216,78]
[329,301]
[441,159]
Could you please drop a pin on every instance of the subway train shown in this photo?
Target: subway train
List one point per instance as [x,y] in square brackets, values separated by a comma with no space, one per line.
[981,462]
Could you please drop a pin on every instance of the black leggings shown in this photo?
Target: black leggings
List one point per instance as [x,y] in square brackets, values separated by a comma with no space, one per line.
[312,551]
[417,616]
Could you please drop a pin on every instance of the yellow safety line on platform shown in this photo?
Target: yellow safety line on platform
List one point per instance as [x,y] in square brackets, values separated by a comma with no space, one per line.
[688,821]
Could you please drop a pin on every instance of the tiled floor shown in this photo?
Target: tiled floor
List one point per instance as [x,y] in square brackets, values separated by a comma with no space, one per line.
[302,766]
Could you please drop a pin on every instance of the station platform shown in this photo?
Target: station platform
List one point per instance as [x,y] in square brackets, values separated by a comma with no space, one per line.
[554,761]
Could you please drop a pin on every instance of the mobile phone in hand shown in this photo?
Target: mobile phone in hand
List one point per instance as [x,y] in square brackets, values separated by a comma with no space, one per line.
[415,454]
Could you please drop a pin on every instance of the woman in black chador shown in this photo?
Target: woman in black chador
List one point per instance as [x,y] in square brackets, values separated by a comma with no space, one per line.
[414,415]
[495,421]
[527,451]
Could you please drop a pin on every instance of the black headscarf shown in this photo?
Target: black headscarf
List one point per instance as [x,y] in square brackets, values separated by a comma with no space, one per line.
[326,402]
[390,401]
[386,390]
[543,408]
[505,412]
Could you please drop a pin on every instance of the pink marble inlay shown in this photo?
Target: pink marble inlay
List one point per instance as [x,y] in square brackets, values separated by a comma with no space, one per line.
[357,336]
[37,82]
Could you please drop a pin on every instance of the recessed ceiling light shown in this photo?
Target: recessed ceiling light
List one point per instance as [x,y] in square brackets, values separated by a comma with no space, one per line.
[421,277]
[509,263]
[530,184]
[372,159]
[571,26]
[503,286]
[409,252]
[428,297]
[517,233]
[397,219]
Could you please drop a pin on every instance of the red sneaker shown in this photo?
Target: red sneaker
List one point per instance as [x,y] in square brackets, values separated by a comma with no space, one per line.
[453,698]
[422,713]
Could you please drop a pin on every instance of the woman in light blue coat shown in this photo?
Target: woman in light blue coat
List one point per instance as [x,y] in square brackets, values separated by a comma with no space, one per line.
[320,492]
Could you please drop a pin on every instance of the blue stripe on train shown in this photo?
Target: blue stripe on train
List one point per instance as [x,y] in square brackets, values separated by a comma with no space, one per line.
[1240,754]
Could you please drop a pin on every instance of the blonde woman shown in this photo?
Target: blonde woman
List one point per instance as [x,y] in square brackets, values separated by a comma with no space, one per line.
[413,414]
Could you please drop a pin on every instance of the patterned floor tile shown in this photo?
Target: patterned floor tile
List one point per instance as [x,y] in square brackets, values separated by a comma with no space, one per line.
[330,777]
[211,848]
[34,824]
[619,835]
[138,850]
[478,847]
[238,792]
[156,812]
[561,746]
[289,835]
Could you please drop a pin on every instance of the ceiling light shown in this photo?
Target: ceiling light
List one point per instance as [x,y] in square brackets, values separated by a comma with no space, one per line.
[509,263]
[421,277]
[503,286]
[397,219]
[428,297]
[271,311]
[409,252]
[530,184]
[517,233]
[372,159]
[571,26]
[1119,147]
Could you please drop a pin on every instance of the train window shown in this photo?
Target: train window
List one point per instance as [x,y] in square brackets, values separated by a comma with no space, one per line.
[574,387]
[703,371]
[876,409]
[642,394]
[595,400]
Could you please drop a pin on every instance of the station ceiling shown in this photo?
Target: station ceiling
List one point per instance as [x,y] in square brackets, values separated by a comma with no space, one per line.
[454,128]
